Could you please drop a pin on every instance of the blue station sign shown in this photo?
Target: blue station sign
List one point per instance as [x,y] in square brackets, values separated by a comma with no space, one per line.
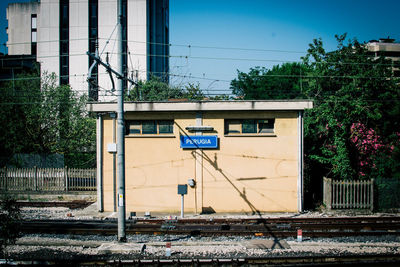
[199,141]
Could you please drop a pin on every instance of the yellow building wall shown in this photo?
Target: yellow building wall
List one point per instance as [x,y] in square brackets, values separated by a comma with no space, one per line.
[244,174]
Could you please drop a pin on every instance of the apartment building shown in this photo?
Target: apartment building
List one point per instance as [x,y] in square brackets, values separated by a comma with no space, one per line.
[59,33]
[388,48]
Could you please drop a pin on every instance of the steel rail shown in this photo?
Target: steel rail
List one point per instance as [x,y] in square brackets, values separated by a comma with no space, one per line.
[312,260]
[333,227]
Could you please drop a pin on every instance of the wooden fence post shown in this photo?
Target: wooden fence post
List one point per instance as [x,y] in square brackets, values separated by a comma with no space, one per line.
[36,178]
[372,195]
[66,178]
[328,193]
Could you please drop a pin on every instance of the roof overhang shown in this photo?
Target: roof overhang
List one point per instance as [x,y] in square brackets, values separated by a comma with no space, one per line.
[238,105]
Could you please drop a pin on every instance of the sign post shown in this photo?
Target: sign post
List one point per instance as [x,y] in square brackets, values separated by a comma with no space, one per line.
[182,190]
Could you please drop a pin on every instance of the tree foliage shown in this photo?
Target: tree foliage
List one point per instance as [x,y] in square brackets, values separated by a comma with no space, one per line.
[9,222]
[353,130]
[157,90]
[281,82]
[40,117]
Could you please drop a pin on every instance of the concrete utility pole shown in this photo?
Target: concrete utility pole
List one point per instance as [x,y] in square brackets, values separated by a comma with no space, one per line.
[120,131]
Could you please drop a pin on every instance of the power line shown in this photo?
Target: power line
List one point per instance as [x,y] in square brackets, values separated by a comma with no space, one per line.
[164,44]
[222,80]
[207,47]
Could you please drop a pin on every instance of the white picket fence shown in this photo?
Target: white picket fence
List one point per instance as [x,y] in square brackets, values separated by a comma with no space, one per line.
[47,179]
[340,194]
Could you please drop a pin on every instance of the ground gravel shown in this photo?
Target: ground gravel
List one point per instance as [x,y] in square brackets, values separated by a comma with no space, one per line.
[50,247]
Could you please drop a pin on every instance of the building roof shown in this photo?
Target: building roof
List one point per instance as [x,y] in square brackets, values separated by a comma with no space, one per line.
[237,105]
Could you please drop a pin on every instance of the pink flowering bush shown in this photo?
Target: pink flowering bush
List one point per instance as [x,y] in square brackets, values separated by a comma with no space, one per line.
[369,145]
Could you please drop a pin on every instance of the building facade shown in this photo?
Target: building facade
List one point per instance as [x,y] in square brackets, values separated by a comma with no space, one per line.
[59,33]
[238,156]
[388,48]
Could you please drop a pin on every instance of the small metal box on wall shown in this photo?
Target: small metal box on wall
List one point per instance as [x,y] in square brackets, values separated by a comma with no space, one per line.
[182,189]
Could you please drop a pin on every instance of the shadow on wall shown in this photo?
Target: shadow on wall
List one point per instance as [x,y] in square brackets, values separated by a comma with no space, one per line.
[214,164]
[255,211]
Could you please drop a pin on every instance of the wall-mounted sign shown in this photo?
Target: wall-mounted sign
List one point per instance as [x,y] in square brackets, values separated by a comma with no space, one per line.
[199,141]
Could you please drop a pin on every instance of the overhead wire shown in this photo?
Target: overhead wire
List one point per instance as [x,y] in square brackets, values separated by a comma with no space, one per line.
[224,80]
[210,47]
[213,80]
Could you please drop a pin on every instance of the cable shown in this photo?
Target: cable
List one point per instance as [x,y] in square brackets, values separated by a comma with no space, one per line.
[108,40]
[224,80]
[215,58]
[212,58]
[164,44]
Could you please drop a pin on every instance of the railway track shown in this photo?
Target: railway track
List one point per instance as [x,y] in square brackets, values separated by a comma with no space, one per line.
[76,204]
[269,227]
[358,260]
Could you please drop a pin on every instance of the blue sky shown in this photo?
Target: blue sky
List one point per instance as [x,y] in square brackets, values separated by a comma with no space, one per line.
[284,25]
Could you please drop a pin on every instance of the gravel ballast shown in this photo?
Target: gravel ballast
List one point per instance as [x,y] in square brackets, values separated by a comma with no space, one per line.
[47,247]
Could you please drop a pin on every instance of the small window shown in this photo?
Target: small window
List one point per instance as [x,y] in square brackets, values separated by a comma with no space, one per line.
[144,127]
[149,127]
[34,39]
[249,126]
[266,126]
[166,127]
[233,126]
[33,49]
[135,127]
[34,22]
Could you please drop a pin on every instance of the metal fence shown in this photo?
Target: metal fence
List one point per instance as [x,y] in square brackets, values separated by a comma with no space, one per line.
[47,179]
[348,194]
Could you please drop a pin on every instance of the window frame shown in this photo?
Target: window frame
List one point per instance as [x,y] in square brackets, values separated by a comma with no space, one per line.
[157,124]
[254,123]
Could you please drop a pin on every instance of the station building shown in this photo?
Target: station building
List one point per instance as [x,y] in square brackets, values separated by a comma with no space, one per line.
[235,156]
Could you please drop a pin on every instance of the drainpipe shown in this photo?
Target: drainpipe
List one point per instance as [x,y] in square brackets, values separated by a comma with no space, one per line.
[199,167]
[300,185]
[99,144]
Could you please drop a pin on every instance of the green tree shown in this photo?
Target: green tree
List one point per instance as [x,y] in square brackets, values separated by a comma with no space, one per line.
[153,90]
[9,223]
[40,117]
[281,82]
[353,131]
[157,90]
[354,121]
[193,92]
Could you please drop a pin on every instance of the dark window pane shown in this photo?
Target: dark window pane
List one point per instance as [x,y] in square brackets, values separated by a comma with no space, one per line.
[149,127]
[249,126]
[232,126]
[65,12]
[33,49]
[64,48]
[165,127]
[63,80]
[134,127]
[64,70]
[93,21]
[64,43]
[266,126]
[93,10]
